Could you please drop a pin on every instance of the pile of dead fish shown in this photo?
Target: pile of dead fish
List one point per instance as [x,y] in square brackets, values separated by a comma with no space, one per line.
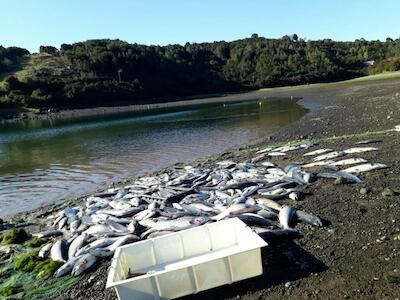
[181,198]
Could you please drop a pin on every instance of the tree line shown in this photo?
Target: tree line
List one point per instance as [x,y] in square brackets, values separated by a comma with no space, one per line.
[113,72]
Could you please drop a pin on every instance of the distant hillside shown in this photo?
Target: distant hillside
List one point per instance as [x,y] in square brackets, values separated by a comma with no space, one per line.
[390,64]
[113,72]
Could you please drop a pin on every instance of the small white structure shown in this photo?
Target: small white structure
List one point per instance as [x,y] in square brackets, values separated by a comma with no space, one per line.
[186,262]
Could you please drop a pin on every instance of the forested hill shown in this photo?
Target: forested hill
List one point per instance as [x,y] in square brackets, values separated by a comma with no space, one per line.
[113,72]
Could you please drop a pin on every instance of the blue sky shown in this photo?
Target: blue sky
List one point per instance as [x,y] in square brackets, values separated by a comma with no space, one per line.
[31,23]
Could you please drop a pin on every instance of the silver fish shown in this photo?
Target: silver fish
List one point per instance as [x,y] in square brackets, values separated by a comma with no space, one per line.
[45,250]
[286,216]
[317,152]
[116,226]
[360,150]
[83,263]
[308,218]
[100,243]
[365,168]
[329,155]
[62,223]
[67,267]
[50,233]
[98,229]
[58,251]
[109,251]
[77,244]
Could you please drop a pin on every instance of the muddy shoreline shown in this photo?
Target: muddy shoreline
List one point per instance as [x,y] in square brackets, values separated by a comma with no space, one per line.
[350,258]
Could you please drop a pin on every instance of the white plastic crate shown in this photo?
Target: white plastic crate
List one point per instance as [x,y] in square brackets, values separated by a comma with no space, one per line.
[187,262]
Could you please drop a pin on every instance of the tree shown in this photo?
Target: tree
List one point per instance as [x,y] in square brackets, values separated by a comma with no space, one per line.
[48,49]
[65,47]
[254,36]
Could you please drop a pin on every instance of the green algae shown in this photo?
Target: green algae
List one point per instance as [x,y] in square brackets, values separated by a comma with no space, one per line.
[10,290]
[27,261]
[13,236]
[46,269]
[35,242]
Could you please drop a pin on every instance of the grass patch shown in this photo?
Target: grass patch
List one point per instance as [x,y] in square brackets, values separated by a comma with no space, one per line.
[376,77]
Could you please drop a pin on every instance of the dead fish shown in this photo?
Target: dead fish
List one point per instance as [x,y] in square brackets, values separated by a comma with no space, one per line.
[236,209]
[272,154]
[120,205]
[359,150]
[267,164]
[83,263]
[58,251]
[98,229]
[329,155]
[349,161]
[109,251]
[318,163]
[51,233]
[67,267]
[365,168]
[116,226]
[265,150]
[238,185]
[75,225]
[255,219]
[270,203]
[286,216]
[174,225]
[295,195]
[370,141]
[268,214]
[308,218]
[317,152]
[77,244]
[132,226]
[278,234]
[58,218]
[347,177]
[62,223]
[122,213]
[45,250]
[100,243]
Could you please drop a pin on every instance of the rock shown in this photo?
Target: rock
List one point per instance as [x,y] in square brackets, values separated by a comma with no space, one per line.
[388,192]
[364,191]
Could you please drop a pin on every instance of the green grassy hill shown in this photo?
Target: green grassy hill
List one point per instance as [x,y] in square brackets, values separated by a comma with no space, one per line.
[113,72]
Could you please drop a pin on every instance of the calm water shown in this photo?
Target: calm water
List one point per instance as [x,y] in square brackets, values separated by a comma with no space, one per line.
[46,161]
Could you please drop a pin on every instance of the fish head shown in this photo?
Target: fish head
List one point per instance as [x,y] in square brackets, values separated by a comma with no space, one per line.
[200,220]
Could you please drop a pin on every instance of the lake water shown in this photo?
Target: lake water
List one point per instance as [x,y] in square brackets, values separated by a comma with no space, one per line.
[45,161]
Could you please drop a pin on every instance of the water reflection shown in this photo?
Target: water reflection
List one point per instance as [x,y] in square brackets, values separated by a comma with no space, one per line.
[42,161]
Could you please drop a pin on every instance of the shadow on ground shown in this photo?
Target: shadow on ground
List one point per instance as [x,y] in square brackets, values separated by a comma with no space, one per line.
[282,262]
